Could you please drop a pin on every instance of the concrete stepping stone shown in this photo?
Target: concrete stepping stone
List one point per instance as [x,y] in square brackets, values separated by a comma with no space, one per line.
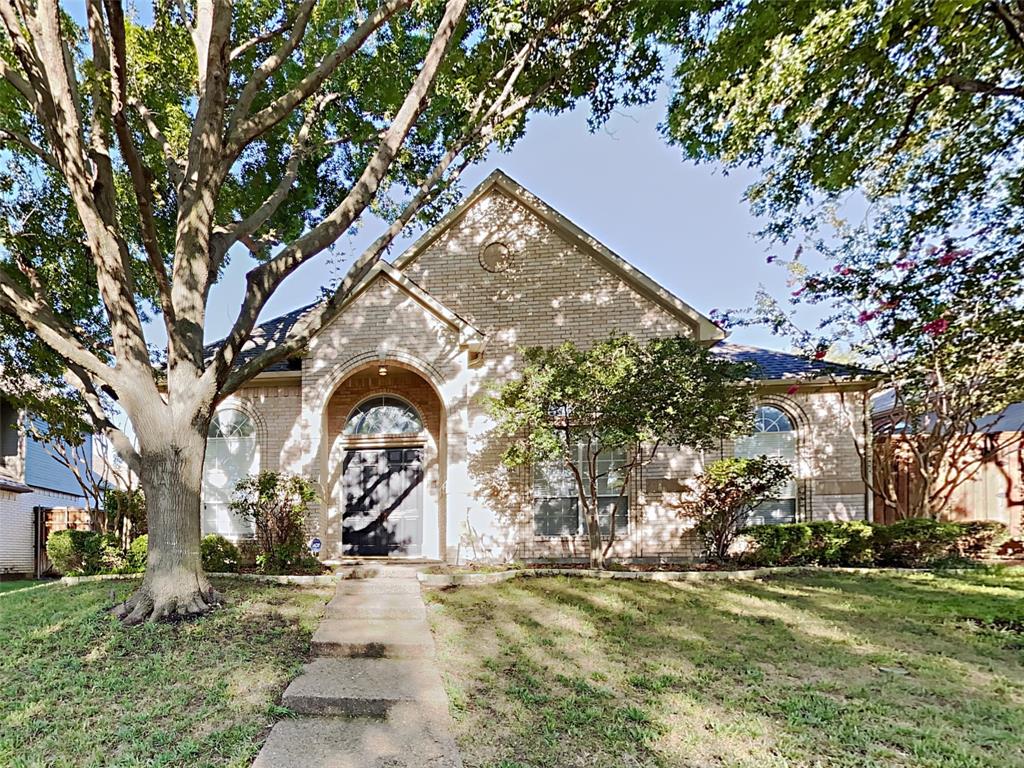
[378,587]
[405,740]
[389,605]
[391,638]
[366,687]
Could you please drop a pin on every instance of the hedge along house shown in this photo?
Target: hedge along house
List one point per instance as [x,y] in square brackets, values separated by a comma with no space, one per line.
[385,409]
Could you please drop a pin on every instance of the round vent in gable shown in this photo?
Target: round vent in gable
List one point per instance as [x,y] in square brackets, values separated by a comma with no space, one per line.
[496,257]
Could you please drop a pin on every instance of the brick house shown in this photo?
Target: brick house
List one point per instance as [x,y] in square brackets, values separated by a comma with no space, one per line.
[384,409]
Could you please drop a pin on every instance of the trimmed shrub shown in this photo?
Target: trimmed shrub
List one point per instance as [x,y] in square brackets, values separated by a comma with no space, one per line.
[916,543]
[847,543]
[219,554]
[76,553]
[785,544]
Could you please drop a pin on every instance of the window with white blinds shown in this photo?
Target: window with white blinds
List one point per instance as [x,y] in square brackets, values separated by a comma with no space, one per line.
[232,452]
[556,502]
[773,436]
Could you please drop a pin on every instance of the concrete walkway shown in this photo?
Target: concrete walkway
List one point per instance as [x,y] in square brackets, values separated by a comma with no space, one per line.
[373,697]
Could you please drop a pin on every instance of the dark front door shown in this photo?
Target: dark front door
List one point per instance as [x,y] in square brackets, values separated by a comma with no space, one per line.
[383,502]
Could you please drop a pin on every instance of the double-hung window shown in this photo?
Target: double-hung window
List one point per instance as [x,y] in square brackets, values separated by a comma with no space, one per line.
[556,507]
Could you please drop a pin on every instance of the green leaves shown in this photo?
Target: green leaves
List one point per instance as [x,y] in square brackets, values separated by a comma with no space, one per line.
[617,394]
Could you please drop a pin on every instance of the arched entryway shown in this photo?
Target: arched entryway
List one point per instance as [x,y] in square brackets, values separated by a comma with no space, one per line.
[384,466]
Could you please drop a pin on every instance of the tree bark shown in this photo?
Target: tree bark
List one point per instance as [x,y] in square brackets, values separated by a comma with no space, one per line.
[175,585]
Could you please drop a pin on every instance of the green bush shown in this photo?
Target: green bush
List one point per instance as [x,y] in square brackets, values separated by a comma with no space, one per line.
[138,552]
[76,553]
[779,544]
[847,543]
[916,543]
[219,554]
[276,505]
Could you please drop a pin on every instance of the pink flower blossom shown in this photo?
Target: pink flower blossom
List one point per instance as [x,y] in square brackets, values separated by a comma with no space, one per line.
[800,290]
[842,270]
[905,264]
[865,316]
[936,327]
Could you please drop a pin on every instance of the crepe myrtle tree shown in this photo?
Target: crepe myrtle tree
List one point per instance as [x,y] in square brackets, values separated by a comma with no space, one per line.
[571,406]
[139,156]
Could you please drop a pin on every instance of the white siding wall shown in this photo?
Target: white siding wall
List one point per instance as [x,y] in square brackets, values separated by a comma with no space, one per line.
[16,555]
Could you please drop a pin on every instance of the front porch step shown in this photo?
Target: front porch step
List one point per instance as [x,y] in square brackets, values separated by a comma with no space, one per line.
[378,587]
[397,605]
[406,739]
[385,571]
[366,688]
[373,638]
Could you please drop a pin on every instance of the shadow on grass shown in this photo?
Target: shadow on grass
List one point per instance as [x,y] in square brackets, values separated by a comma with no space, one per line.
[815,670]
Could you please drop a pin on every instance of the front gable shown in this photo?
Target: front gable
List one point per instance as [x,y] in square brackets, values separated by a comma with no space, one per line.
[554,283]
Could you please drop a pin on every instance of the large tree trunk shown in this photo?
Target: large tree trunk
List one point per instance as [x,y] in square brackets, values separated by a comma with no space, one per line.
[174,584]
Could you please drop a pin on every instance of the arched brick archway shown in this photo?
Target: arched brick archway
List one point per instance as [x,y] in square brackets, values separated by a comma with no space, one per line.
[384,492]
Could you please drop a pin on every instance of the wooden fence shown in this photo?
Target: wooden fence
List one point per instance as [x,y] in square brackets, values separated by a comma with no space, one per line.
[994,491]
[50,520]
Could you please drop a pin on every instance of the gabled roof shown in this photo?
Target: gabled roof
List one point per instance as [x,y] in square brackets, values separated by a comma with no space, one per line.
[272,332]
[773,365]
[705,329]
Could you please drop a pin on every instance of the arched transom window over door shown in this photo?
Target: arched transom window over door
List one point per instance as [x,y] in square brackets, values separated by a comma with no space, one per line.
[384,415]
[774,436]
[232,452]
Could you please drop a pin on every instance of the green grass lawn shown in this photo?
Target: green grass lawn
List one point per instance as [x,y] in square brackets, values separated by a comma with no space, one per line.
[817,670]
[16,584]
[78,689]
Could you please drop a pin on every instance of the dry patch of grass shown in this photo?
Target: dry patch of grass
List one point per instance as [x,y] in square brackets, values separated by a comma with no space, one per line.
[78,689]
[922,670]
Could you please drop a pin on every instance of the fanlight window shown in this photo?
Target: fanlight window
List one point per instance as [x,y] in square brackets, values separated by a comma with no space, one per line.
[773,436]
[384,416]
[232,452]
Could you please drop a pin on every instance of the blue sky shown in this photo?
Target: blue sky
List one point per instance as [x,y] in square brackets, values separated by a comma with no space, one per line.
[685,225]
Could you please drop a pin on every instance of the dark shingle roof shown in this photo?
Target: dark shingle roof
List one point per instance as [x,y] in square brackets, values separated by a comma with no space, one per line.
[265,335]
[784,365]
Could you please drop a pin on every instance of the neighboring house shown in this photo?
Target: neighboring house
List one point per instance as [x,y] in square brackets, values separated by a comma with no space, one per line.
[30,479]
[384,410]
[992,487]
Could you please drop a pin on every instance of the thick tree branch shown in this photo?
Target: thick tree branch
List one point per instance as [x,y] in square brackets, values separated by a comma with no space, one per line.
[80,380]
[248,226]
[271,64]
[245,129]
[140,175]
[53,331]
[984,87]
[12,76]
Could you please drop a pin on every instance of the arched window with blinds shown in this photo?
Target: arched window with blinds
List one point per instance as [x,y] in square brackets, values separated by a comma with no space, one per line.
[774,435]
[232,452]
